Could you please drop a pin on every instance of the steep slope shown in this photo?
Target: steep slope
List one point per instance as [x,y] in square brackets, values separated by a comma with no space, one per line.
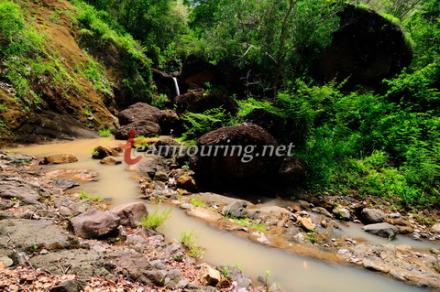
[55,88]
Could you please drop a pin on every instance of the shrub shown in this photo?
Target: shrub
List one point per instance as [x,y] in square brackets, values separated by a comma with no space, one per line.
[84,195]
[188,241]
[105,132]
[155,219]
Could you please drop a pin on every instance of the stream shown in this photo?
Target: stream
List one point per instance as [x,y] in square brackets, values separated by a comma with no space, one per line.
[289,271]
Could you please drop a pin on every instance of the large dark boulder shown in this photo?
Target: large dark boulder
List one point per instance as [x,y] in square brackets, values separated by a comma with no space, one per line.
[234,168]
[147,120]
[199,101]
[366,49]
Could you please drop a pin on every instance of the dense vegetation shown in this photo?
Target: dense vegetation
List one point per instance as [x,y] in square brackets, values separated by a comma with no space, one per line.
[383,142]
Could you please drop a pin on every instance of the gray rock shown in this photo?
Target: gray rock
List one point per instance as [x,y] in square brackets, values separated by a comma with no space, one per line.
[6,261]
[236,209]
[20,190]
[131,214]
[95,224]
[322,211]
[81,262]
[34,234]
[342,213]
[370,216]
[381,229]
[65,184]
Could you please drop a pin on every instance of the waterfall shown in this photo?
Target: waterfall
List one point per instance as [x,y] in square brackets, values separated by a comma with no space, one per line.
[176,85]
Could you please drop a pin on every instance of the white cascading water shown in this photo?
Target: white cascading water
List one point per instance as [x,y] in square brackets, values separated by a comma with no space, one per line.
[176,85]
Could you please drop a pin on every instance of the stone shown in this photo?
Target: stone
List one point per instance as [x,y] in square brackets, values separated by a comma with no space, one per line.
[236,209]
[65,184]
[101,152]
[375,265]
[5,262]
[292,171]
[19,190]
[365,49]
[60,159]
[130,214]
[306,223]
[161,176]
[436,228]
[369,216]
[210,275]
[381,229]
[323,211]
[229,170]
[82,262]
[95,224]
[342,213]
[147,120]
[30,235]
[186,182]
[67,286]
[110,161]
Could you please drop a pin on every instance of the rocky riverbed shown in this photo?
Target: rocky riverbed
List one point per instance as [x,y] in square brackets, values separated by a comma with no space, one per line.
[365,232]
[52,238]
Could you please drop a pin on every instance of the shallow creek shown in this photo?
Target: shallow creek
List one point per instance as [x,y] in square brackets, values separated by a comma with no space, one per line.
[290,272]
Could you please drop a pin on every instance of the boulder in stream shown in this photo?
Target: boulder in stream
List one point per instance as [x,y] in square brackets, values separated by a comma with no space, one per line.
[369,216]
[60,159]
[130,214]
[253,164]
[381,229]
[95,224]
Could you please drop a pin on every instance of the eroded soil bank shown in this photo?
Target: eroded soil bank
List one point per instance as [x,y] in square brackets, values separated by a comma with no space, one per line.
[317,243]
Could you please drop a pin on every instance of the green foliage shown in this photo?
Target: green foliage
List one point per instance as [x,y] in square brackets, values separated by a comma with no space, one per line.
[188,241]
[196,202]
[105,132]
[155,219]
[248,223]
[86,196]
[197,124]
[159,100]
[96,74]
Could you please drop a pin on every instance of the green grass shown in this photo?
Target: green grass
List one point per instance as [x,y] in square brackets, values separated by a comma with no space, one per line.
[159,100]
[197,202]
[248,223]
[105,133]
[188,241]
[84,195]
[155,219]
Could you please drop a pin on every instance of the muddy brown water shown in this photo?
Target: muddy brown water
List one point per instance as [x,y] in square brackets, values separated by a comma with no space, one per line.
[290,272]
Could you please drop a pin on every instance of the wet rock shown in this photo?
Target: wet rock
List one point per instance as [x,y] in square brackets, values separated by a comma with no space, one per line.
[366,49]
[227,170]
[5,262]
[199,101]
[81,262]
[204,214]
[405,229]
[381,229]
[19,190]
[150,164]
[322,211]
[101,152]
[67,286]
[161,176]
[269,214]
[369,216]
[65,184]
[144,128]
[79,175]
[236,209]
[146,120]
[239,280]
[34,234]
[110,161]
[375,265]
[436,228]
[306,223]
[342,213]
[186,182]
[95,224]
[60,159]
[130,214]
[210,275]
